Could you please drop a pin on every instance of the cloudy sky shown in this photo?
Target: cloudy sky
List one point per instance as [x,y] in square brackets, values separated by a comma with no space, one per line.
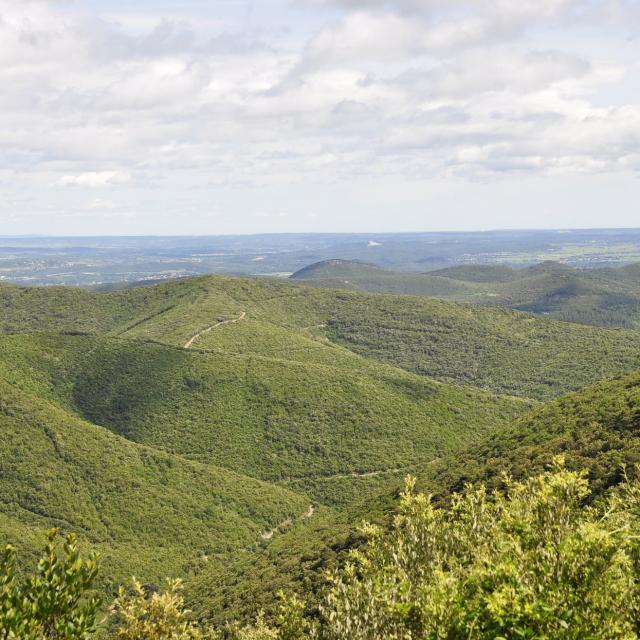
[240,116]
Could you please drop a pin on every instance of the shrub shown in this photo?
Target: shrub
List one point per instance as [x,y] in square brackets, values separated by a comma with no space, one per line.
[529,562]
[158,616]
[54,603]
[533,561]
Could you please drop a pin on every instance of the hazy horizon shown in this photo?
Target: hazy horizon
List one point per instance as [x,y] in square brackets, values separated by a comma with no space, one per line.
[361,232]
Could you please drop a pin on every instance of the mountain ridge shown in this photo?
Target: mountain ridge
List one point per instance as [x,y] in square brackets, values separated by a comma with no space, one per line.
[597,296]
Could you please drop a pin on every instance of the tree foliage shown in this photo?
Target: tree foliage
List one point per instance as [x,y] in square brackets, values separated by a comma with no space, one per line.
[536,560]
[155,616]
[530,562]
[54,603]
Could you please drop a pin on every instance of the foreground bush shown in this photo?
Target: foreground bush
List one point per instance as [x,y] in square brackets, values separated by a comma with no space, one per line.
[529,562]
[53,603]
[532,562]
[158,616]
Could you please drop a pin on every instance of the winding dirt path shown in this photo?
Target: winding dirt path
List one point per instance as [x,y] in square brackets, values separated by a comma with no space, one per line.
[353,474]
[363,474]
[267,535]
[190,342]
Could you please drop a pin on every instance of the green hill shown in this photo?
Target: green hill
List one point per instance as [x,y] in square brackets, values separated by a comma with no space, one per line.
[628,274]
[588,296]
[502,350]
[498,350]
[202,418]
[481,273]
[157,455]
[302,423]
[71,309]
[147,512]
[337,269]
[358,276]
[605,296]
[596,429]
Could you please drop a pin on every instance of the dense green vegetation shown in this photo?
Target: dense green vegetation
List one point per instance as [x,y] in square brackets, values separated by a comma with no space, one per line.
[494,349]
[597,430]
[154,454]
[145,511]
[502,350]
[269,418]
[235,431]
[241,584]
[358,276]
[531,561]
[600,296]
[53,603]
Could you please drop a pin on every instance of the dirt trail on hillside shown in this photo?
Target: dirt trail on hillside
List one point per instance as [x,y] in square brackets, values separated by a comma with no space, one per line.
[359,474]
[365,474]
[353,474]
[267,535]
[190,342]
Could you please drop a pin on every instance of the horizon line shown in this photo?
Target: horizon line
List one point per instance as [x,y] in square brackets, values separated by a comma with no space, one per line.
[33,236]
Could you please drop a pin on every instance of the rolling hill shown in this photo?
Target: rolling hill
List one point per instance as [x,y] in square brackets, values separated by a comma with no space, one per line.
[596,429]
[162,456]
[494,349]
[147,512]
[248,421]
[276,420]
[602,296]
[359,276]
[497,349]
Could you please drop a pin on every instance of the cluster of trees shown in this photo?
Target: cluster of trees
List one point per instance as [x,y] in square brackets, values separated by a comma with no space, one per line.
[503,351]
[537,559]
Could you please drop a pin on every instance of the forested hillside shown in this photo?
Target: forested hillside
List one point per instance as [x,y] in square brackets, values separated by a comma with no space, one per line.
[502,350]
[599,296]
[597,430]
[234,431]
[499,350]
[298,423]
[147,512]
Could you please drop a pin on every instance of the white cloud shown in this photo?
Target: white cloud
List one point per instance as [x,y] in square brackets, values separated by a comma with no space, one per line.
[424,89]
[101,203]
[94,179]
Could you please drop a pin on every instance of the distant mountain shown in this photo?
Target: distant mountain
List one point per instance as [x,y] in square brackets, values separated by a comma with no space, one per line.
[606,297]
[358,276]
[99,260]
[478,273]
[337,268]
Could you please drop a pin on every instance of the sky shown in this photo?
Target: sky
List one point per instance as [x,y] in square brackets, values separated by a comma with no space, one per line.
[254,116]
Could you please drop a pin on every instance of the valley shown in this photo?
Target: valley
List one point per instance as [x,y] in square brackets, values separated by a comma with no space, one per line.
[234,431]
[603,296]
